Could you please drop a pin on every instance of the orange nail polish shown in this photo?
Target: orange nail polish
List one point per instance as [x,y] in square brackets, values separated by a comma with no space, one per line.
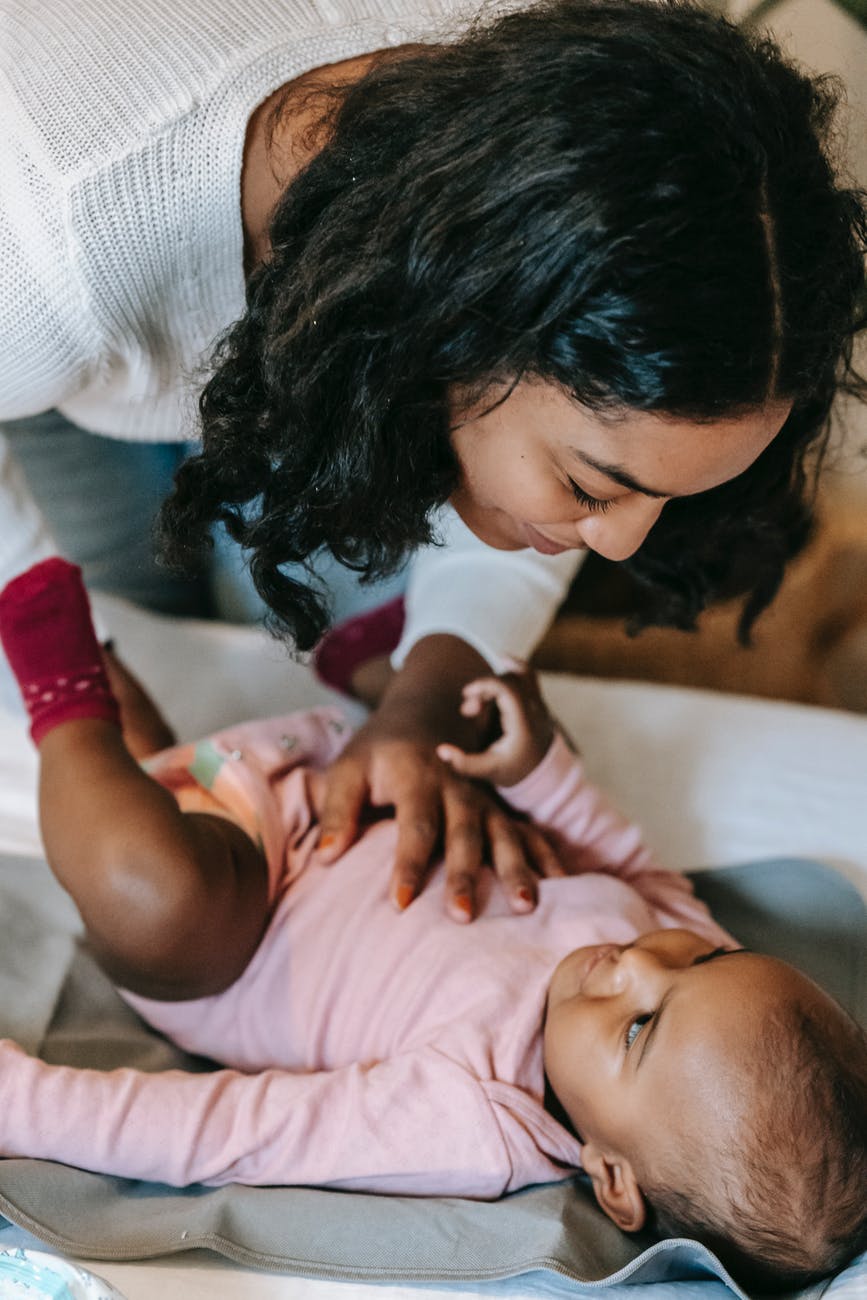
[404,896]
[525,895]
[465,903]
[327,841]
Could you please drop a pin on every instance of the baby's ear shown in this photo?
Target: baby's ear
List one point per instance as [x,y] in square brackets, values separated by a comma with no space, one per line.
[615,1187]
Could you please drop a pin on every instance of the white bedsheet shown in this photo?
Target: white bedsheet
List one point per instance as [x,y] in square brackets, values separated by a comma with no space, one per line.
[714,779]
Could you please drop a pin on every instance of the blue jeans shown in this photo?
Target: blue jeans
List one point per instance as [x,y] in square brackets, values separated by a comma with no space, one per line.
[101,496]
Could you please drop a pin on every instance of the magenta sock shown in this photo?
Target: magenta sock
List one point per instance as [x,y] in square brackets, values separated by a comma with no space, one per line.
[48,636]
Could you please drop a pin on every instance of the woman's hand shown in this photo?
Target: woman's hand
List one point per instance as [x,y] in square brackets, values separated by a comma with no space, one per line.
[392,761]
[526,728]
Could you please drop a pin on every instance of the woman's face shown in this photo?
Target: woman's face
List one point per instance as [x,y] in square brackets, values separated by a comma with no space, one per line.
[539,470]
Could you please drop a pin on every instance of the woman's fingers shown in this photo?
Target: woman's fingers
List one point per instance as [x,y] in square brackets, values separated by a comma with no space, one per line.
[418,813]
[520,853]
[345,795]
[511,862]
[438,810]
[540,851]
[464,849]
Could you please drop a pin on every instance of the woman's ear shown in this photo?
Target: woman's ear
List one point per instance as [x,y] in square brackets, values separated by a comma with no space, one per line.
[615,1187]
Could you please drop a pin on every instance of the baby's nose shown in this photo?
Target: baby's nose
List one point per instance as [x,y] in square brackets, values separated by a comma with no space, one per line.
[641,965]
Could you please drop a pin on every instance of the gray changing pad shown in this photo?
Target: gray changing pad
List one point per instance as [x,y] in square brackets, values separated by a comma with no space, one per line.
[799,910]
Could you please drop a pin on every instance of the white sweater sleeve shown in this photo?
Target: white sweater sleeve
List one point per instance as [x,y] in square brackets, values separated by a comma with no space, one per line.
[499,602]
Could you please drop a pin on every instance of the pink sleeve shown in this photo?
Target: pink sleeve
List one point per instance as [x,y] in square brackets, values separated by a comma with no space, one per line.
[415,1124]
[591,835]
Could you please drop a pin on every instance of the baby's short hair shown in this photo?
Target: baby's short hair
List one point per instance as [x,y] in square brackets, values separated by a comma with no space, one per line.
[786,1203]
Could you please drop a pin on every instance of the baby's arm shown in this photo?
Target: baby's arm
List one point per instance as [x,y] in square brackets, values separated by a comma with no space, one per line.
[174,904]
[590,834]
[418,1123]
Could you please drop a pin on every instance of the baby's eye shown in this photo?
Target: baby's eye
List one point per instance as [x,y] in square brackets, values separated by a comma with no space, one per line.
[635,1028]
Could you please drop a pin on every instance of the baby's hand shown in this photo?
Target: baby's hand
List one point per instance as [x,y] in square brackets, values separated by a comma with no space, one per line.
[526,725]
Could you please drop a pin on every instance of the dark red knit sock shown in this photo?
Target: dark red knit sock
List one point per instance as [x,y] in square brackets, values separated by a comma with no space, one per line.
[48,636]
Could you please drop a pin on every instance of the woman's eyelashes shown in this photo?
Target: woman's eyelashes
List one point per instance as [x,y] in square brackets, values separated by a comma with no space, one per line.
[588,502]
[635,1028]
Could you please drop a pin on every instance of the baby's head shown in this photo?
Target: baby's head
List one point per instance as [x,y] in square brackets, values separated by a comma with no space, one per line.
[720,1095]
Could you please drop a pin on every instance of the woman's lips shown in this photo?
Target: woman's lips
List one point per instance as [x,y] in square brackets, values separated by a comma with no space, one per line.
[543,544]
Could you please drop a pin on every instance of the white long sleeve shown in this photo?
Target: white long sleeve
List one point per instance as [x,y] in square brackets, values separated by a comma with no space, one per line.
[499,602]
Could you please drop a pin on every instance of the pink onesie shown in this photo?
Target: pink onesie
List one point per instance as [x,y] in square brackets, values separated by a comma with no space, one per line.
[368,1049]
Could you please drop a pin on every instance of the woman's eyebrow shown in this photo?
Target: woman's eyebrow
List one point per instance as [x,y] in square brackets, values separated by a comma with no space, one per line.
[619,475]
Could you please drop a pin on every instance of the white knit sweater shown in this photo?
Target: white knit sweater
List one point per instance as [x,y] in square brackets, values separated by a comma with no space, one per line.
[122,245]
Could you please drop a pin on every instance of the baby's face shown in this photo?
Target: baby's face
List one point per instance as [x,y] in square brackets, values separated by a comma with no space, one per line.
[651,1038]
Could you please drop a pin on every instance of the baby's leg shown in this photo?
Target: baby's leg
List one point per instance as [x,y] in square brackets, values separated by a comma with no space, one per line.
[174,903]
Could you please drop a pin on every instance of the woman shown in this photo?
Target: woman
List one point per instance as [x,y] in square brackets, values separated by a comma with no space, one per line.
[579,277]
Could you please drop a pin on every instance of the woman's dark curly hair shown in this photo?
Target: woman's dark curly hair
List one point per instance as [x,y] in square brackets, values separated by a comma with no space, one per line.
[633,200]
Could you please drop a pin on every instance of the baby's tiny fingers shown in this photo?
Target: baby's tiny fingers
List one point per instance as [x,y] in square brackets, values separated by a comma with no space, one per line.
[471,706]
[481,691]
[479,766]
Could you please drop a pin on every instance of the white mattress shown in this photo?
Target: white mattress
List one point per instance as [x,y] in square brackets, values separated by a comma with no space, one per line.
[714,779]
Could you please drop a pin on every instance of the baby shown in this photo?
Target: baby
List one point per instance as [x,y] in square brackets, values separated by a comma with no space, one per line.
[705,1090]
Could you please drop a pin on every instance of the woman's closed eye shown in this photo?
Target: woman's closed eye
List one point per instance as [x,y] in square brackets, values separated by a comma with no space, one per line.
[584,499]
[635,1028]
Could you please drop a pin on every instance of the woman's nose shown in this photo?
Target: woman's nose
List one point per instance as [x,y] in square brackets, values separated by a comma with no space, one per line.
[618,534]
